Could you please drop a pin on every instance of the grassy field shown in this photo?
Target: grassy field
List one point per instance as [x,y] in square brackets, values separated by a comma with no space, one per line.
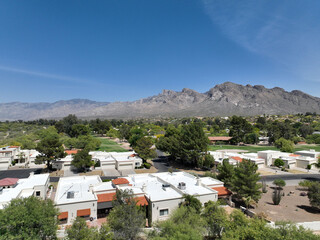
[262,148]
[110,146]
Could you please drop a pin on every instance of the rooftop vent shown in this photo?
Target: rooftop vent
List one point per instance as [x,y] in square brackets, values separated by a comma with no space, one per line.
[182,185]
[165,185]
[70,195]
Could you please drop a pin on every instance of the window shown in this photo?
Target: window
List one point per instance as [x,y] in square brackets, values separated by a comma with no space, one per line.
[164,212]
[38,193]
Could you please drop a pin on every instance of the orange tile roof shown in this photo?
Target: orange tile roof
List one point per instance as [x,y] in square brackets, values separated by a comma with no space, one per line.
[14,146]
[69,152]
[294,155]
[63,215]
[222,191]
[141,201]
[8,182]
[83,212]
[106,197]
[120,181]
[221,138]
[239,159]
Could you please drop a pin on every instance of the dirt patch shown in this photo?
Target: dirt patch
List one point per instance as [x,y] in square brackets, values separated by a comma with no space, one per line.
[297,171]
[94,172]
[293,208]
[151,170]
[123,143]
[58,173]
[265,173]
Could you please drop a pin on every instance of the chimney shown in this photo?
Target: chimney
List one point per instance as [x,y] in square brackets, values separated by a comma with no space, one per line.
[198,182]
[144,188]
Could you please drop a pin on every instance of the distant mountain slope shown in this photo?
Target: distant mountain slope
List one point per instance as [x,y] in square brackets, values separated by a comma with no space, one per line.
[222,100]
[30,111]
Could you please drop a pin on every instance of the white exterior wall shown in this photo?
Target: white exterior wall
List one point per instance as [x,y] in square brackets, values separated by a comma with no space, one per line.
[73,207]
[125,165]
[206,198]
[105,165]
[170,204]
[305,163]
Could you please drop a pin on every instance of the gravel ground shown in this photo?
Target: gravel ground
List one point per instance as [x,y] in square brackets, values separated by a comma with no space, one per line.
[294,208]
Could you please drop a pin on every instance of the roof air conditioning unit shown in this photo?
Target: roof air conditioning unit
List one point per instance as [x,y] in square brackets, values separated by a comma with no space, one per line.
[182,185]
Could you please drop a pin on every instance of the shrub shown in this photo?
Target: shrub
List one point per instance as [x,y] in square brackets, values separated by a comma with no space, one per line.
[278,162]
[147,165]
[264,187]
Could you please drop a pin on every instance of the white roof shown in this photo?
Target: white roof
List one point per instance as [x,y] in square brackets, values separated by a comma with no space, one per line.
[79,185]
[191,182]
[210,181]
[135,190]
[153,187]
[309,152]
[103,186]
[22,186]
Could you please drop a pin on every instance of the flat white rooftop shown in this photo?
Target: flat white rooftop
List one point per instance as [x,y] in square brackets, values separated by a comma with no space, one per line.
[103,186]
[190,182]
[153,187]
[24,188]
[76,189]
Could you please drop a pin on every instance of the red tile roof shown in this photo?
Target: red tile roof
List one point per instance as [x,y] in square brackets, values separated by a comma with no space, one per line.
[69,152]
[14,146]
[141,201]
[63,215]
[120,181]
[106,197]
[222,191]
[221,138]
[8,182]
[239,159]
[83,212]
[294,155]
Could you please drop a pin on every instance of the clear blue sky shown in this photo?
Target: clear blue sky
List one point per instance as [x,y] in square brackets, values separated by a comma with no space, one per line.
[122,50]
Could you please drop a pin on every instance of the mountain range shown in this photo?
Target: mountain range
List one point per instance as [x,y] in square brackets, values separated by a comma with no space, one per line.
[222,100]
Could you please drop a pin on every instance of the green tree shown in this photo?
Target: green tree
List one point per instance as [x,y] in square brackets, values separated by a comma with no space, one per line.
[135,134]
[239,127]
[82,160]
[28,218]
[284,145]
[278,163]
[226,172]
[193,143]
[184,224]
[126,219]
[143,148]
[50,148]
[245,181]
[187,144]
[80,231]
[314,194]
[216,219]
[191,202]
[280,183]
[78,130]
[208,161]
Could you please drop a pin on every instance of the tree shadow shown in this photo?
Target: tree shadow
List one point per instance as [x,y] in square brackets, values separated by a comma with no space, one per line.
[309,209]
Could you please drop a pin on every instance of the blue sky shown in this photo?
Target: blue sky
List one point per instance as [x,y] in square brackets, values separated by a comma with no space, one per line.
[123,50]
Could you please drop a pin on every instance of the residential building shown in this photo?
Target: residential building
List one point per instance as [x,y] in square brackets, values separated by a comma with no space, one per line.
[34,185]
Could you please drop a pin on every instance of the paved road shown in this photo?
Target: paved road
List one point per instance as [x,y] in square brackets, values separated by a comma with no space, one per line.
[313,177]
[19,173]
[161,164]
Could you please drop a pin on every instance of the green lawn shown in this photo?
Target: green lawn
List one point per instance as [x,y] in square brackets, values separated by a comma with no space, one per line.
[110,146]
[260,148]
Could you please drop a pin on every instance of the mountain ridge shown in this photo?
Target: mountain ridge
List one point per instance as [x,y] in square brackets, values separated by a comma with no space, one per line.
[222,100]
